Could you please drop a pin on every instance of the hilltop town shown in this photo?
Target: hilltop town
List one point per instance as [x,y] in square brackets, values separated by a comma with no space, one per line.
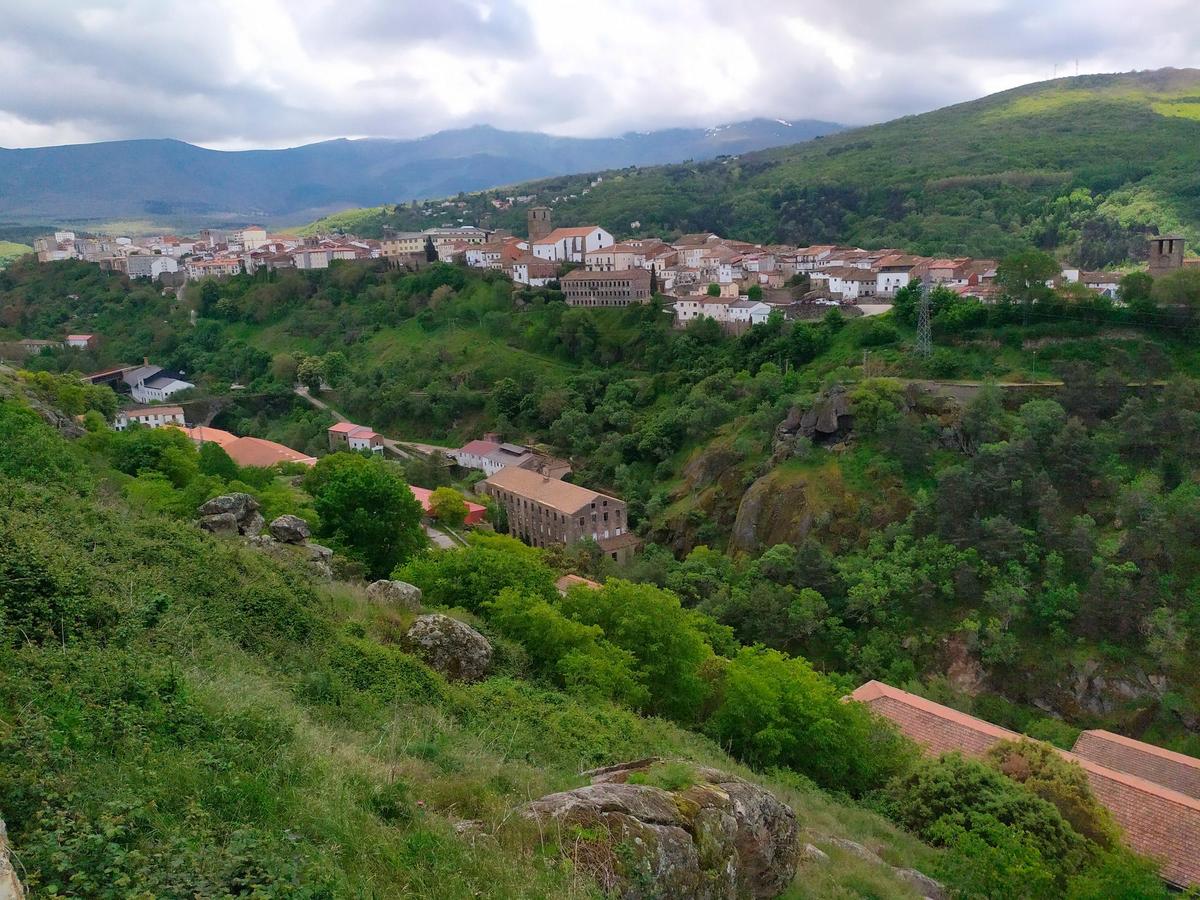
[736,283]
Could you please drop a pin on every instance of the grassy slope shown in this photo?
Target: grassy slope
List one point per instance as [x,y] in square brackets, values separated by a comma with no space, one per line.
[10,251]
[240,727]
[966,178]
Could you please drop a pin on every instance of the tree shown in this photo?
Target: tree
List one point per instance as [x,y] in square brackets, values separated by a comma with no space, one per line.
[653,280]
[755,292]
[1023,276]
[652,625]
[775,710]
[284,368]
[448,506]
[1135,289]
[311,373]
[714,290]
[215,461]
[368,511]
[431,254]
[335,366]
[210,293]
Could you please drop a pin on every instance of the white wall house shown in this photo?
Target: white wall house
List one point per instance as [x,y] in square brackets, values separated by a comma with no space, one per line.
[571,244]
[755,312]
[702,306]
[145,265]
[150,384]
[150,416]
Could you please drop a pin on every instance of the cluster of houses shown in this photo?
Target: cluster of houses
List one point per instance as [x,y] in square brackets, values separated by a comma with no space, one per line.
[213,253]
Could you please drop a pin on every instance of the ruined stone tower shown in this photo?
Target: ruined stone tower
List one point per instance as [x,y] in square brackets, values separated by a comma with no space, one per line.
[1166,254]
[540,222]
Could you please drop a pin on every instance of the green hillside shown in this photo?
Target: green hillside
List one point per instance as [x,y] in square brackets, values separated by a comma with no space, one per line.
[1084,165]
[184,715]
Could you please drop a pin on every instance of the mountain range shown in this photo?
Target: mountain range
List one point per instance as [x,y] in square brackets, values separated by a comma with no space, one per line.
[173,181]
[1084,166]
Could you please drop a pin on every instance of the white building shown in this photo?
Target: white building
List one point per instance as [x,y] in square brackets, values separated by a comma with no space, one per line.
[252,237]
[149,416]
[491,456]
[571,244]
[220,267]
[702,306]
[144,265]
[153,384]
[754,312]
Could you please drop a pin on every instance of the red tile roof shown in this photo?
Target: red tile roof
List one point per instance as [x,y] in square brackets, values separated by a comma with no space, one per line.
[1157,821]
[559,233]
[252,451]
[475,512]
[1166,767]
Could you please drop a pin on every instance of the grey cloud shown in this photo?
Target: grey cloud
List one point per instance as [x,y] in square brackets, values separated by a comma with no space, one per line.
[154,68]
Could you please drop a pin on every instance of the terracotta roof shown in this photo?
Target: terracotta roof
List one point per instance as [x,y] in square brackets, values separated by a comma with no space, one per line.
[1166,767]
[638,275]
[1157,821]
[567,582]
[203,434]
[560,495]
[252,451]
[479,448]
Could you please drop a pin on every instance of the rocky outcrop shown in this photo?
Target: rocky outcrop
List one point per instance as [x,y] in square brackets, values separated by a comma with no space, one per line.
[449,646]
[290,529]
[771,512]
[214,515]
[220,523]
[828,420]
[719,837]
[399,594]
[10,885]
[318,558]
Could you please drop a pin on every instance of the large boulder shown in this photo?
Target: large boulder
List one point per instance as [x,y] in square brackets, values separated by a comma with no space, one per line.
[220,523]
[242,507]
[718,837]
[239,504]
[10,885]
[395,593]
[290,530]
[451,647]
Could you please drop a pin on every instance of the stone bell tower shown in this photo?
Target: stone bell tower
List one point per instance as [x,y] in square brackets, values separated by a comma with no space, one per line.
[540,222]
[1166,254]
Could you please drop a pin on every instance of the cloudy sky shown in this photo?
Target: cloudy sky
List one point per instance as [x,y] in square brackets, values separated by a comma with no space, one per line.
[273,73]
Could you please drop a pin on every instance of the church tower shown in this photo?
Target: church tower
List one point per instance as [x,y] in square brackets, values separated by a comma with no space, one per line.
[540,223]
[1166,254]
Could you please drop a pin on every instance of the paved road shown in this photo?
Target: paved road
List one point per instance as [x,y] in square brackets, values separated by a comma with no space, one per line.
[440,539]
[874,309]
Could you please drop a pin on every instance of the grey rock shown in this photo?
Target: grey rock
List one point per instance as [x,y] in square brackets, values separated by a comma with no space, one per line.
[290,530]
[220,523]
[10,885]
[451,647]
[813,853]
[400,594]
[924,885]
[237,504]
[857,849]
[718,839]
[252,523]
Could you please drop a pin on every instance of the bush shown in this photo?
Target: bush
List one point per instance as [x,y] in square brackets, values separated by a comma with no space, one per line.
[1044,772]
[954,801]
[478,572]
[775,710]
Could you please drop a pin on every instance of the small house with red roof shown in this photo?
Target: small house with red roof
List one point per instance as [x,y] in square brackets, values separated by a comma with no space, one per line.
[348,436]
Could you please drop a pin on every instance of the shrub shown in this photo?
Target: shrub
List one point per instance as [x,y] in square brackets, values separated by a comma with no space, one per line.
[775,710]
[1061,782]
[942,801]
[479,572]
